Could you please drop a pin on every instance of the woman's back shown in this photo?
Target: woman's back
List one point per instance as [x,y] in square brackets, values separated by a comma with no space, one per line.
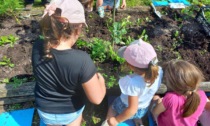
[59,80]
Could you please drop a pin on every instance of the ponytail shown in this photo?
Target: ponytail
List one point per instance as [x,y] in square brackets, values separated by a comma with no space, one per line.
[54,28]
[191,104]
[151,73]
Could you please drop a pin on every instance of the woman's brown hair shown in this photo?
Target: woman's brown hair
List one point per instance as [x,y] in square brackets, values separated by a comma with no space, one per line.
[183,78]
[54,28]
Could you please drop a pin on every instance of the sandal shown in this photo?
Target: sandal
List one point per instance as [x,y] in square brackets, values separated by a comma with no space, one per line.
[101,11]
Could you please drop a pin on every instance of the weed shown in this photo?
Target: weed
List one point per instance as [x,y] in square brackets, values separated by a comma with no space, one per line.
[11,39]
[4,81]
[143,35]
[83,123]
[14,107]
[114,56]
[17,82]
[118,29]
[95,119]
[148,20]
[6,62]
[139,21]
[9,7]
[81,43]
[178,55]
[159,48]
[111,82]
[99,49]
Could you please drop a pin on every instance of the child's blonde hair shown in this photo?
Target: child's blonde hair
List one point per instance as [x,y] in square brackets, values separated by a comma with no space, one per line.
[150,73]
[184,78]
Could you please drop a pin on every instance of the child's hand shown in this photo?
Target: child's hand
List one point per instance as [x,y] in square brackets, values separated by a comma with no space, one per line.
[112,121]
[123,6]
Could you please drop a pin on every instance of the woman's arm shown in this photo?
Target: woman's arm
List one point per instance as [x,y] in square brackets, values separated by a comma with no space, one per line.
[127,113]
[95,89]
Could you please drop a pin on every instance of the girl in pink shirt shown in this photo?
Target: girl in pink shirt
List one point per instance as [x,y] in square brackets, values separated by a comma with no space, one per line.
[183,103]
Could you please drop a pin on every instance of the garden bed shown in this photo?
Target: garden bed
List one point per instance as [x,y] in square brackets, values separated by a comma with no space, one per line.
[176,35]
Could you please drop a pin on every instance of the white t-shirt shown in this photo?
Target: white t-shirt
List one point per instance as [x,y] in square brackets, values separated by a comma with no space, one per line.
[134,85]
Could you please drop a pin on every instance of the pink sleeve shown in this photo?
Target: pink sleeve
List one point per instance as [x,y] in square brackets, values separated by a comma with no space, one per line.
[168,100]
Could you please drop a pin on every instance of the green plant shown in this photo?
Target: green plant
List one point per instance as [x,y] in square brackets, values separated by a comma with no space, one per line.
[114,56]
[139,21]
[143,35]
[17,82]
[99,49]
[159,48]
[6,62]
[95,119]
[81,43]
[118,29]
[84,123]
[14,107]
[5,80]
[11,39]
[9,7]
[178,55]
[177,39]
[111,82]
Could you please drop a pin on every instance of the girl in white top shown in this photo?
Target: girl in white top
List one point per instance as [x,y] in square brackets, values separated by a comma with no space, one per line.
[138,88]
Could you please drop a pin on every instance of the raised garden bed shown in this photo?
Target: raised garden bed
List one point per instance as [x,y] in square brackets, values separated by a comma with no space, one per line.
[177,35]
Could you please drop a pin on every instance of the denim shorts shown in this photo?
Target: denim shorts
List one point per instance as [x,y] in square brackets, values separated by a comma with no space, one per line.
[111,3]
[59,119]
[119,107]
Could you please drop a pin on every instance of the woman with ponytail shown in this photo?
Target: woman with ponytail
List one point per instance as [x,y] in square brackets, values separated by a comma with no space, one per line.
[138,88]
[184,102]
[65,76]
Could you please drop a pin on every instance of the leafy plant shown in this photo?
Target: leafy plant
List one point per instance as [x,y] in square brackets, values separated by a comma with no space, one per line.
[14,107]
[6,62]
[139,21]
[81,43]
[119,29]
[5,80]
[9,7]
[96,119]
[17,82]
[114,56]
[110,80]
[11,39]
[143,35]
[177,39]
[99,49]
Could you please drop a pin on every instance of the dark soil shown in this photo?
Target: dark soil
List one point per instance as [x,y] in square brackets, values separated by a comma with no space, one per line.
[191,44]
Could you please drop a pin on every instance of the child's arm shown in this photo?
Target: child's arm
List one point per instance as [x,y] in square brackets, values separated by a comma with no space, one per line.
[207,107]
[127,113]
[158,108]
[123,6]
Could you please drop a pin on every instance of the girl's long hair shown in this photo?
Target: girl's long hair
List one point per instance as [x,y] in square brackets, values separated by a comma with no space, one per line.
[183,78]
[54,28]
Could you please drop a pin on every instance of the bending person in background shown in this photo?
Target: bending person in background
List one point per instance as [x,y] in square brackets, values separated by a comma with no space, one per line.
[103,5]
[137,89]
[65,77]
[183,103]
